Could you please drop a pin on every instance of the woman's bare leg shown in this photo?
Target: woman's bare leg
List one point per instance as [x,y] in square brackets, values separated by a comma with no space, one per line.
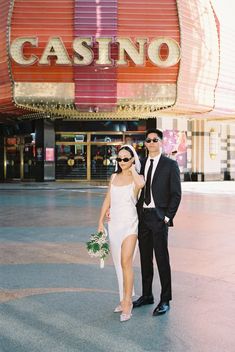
[127,252]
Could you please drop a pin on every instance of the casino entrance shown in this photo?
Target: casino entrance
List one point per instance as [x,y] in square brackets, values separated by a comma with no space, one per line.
[91,156]
[83,151]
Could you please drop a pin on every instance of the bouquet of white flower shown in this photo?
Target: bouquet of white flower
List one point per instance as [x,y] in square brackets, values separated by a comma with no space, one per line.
[98,246]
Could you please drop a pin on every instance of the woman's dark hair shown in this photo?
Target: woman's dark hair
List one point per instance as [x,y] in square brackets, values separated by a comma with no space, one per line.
[119,170]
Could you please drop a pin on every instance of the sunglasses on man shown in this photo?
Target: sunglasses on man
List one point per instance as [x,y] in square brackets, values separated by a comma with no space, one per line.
[154,140]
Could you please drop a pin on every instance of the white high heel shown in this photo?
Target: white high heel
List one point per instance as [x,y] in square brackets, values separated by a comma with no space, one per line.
[118,309]
[126,316]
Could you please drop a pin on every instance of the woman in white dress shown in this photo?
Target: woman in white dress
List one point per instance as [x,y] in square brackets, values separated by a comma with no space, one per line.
[121,199]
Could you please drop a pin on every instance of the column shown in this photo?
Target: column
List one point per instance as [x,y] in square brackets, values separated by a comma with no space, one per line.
[45,150]
[231,152]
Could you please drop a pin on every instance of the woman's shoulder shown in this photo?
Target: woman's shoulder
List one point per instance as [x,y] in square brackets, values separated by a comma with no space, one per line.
[113,177]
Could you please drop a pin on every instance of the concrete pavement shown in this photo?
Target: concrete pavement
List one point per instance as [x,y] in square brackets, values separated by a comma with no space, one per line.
[215,187]
[54,297]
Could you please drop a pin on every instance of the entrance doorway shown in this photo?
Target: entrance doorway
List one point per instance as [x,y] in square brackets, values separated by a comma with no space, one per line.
[13,158]
[19,158]
[71,156]
[92,156]
[103,161]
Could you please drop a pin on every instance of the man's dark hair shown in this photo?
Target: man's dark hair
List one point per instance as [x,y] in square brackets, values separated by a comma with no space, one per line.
[119,169]
[156,131]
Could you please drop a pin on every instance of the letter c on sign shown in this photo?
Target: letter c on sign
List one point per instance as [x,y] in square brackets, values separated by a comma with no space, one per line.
[17,54]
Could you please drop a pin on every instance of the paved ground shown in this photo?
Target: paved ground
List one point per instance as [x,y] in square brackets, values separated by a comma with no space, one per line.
[55,298]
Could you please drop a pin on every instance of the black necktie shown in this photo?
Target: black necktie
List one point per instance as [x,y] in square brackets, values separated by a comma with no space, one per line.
[147,198]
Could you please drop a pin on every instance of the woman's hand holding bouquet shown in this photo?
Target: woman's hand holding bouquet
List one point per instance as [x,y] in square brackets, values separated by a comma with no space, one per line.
[98,245]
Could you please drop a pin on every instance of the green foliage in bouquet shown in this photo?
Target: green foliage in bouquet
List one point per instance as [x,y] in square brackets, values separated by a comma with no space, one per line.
[98,245]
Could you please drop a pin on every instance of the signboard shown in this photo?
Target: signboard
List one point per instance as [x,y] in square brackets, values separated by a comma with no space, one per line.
[83,51]
[175,146]
[11,141]
[50,154]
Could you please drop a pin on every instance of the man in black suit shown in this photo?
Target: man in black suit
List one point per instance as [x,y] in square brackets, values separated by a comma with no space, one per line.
[157,206]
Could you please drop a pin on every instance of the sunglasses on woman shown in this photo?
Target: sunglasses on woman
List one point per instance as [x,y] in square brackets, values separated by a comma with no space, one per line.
[124,159]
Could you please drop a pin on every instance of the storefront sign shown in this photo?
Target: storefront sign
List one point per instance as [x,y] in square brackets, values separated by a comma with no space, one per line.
[83,54]
[50,154]
[11,141]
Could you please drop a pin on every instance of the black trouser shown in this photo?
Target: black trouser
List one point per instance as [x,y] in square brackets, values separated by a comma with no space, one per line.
[153,235]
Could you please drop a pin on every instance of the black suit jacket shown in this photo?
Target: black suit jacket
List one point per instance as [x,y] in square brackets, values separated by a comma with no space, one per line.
[166,189]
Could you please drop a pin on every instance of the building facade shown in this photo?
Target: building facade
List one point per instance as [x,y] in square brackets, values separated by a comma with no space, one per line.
[80,78]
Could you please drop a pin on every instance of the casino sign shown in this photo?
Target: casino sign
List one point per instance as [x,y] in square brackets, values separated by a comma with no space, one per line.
[111,59]
[83,54]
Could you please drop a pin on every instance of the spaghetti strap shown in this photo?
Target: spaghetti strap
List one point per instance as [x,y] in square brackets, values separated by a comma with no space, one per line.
[112,178]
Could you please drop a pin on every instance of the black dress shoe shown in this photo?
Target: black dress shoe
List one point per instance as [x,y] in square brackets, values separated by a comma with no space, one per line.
[143,300]
[162,308]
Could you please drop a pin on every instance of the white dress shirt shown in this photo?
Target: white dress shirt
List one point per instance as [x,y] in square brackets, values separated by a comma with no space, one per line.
[155,163]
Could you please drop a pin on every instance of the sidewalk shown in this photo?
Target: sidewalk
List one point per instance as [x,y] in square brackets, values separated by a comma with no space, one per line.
[215,187]
[55,298]
[54,185]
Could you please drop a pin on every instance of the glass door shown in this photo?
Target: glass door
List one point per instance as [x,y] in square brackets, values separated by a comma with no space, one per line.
[13,155]
[71,156]
[104,149]
[103,161]
[71,161]
[29,158]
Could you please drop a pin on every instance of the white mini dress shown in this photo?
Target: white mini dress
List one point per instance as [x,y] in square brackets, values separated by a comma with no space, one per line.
[123,223]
